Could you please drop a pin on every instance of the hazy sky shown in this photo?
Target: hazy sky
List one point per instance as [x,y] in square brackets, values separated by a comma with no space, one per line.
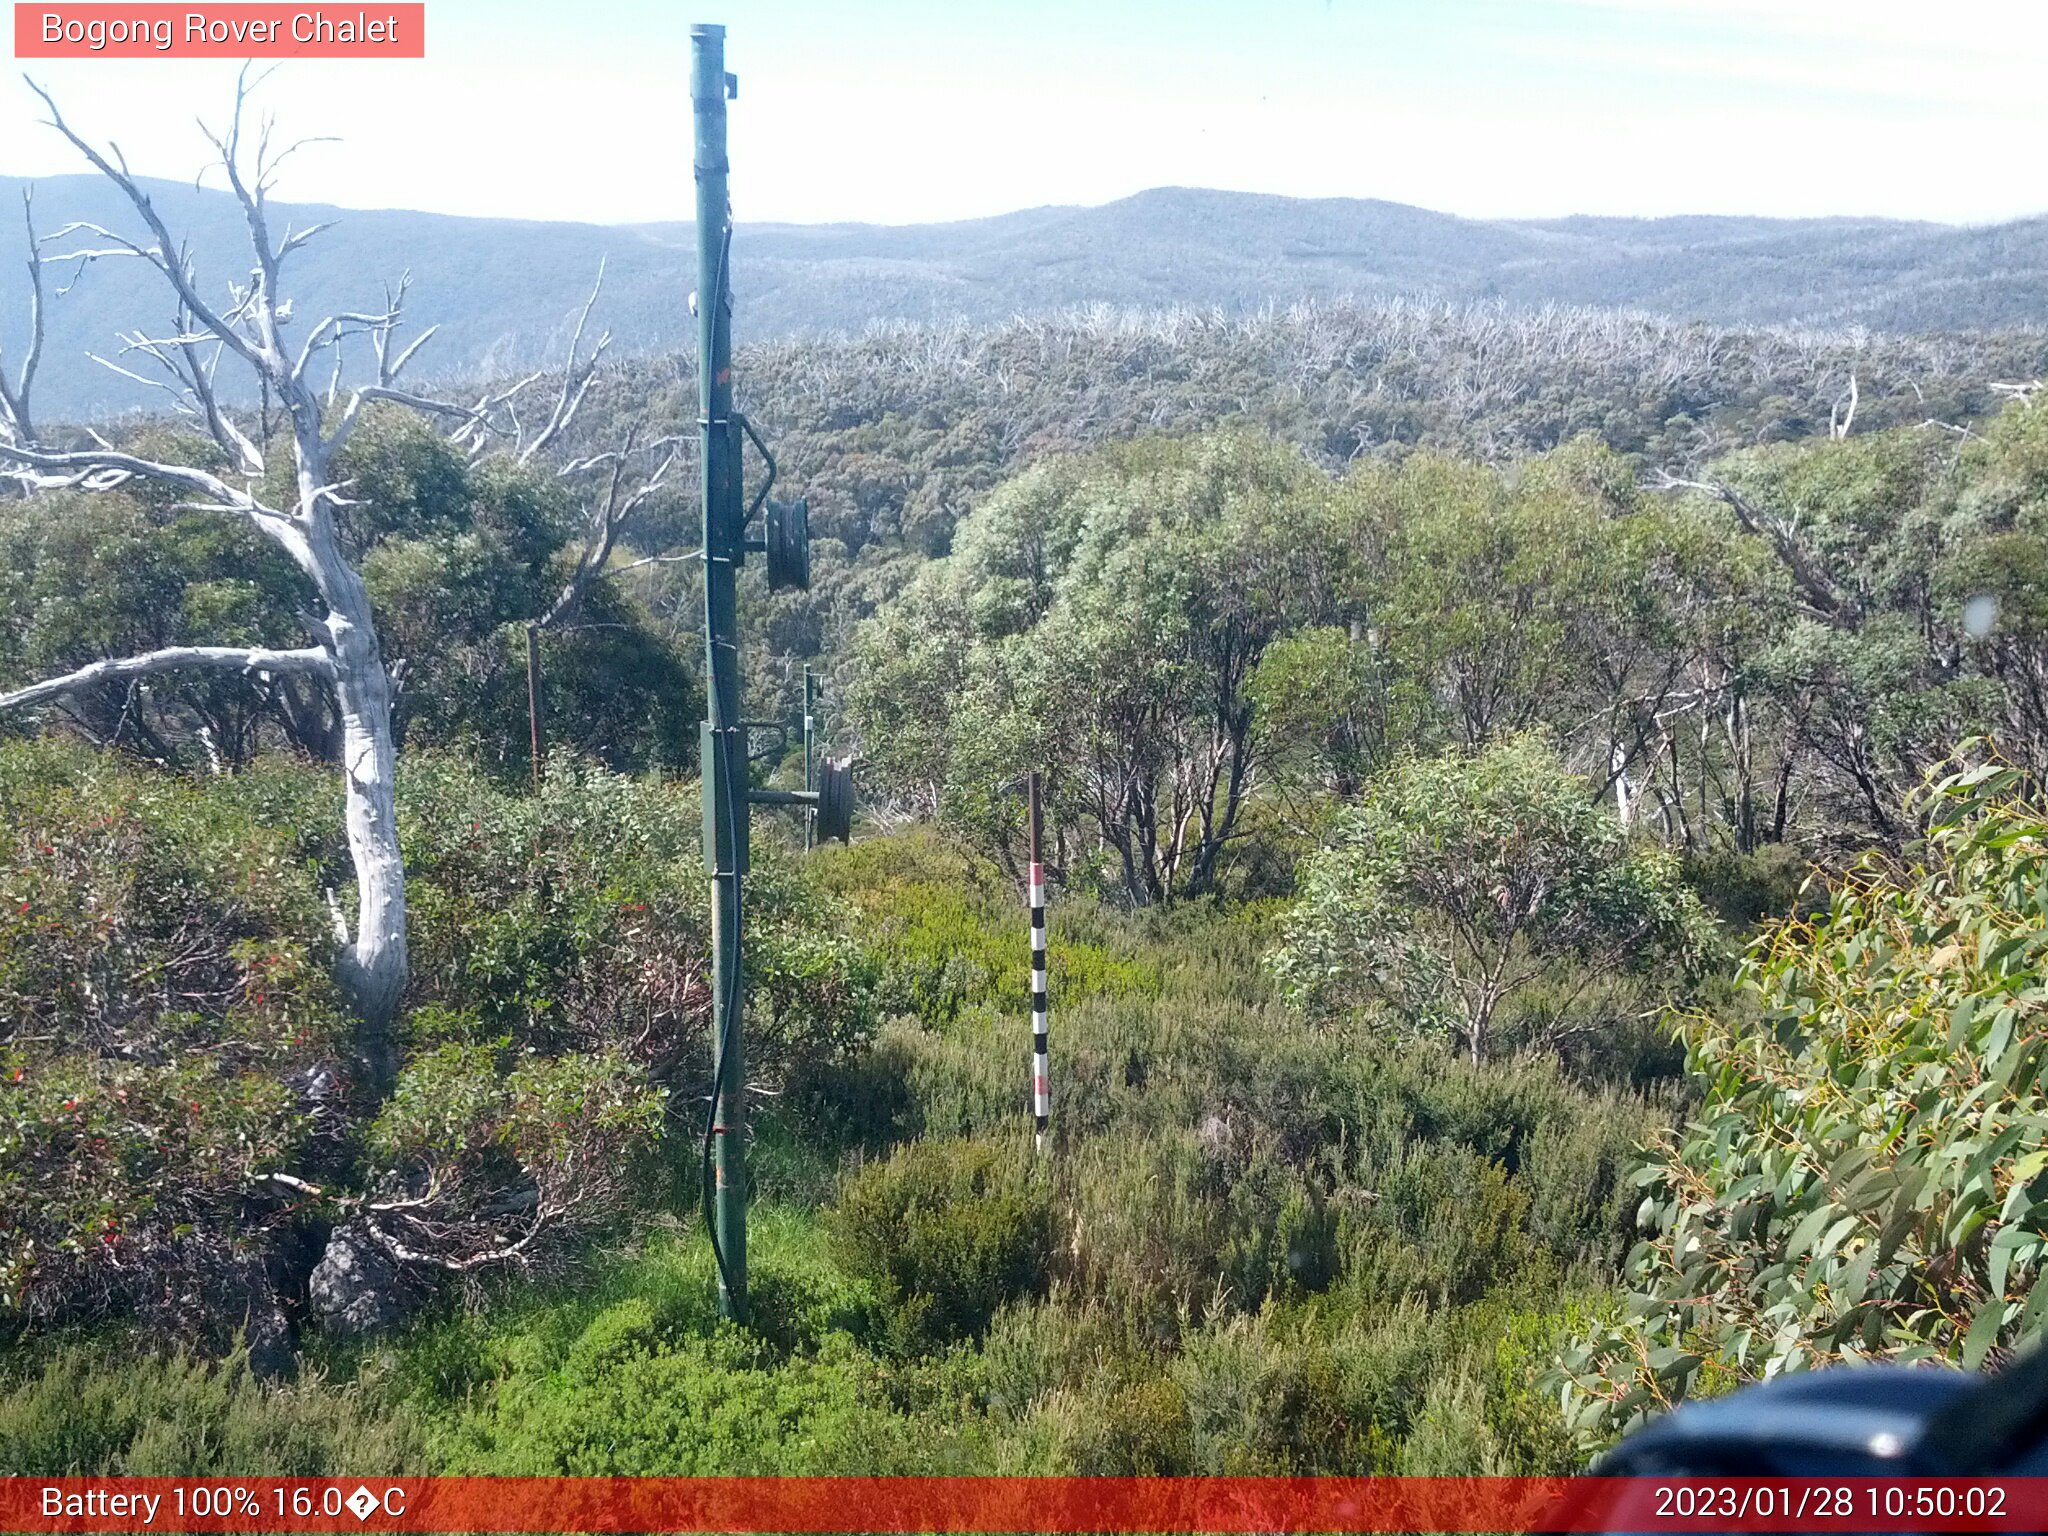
[898,111]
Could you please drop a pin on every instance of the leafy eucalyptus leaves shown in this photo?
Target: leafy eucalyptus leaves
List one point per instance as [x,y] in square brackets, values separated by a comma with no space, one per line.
[1868,1175]
[1486,898]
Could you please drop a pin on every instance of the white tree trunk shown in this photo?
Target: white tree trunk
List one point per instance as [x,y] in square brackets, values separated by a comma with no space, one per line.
[252,332]
[374,964]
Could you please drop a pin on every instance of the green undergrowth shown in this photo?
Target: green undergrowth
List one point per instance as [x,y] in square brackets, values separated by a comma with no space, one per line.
[1253,1245]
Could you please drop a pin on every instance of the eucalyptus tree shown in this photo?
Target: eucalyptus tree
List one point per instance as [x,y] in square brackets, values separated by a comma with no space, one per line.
[283,478]
[1102,618]
[1466,881]
[1866,660]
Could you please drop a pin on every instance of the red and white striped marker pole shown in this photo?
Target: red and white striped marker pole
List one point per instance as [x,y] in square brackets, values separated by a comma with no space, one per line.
[1041,1081]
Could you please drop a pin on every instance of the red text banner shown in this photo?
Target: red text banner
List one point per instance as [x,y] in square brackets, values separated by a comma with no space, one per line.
[238,31]
[1021,1504]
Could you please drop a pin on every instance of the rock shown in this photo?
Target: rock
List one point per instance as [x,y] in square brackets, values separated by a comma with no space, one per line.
[267,1335]
[356,1288]
[220,1302]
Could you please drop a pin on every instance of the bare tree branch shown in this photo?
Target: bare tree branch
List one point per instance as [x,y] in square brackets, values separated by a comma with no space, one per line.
[608,517]
[576,376]
[1816,589]
[176,271]
[217,658]
[103,469]
[14,399]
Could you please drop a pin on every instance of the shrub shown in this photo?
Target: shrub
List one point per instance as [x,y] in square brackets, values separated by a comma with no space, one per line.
[1463,880]
[718,1406]
[577,918]
[1121,1425]
[1172,1228]
[560,994]
[549,1149]
[1279,1393]
[171,1037]
[99,1411]
[1865,1179]
[1035,1348]
[168,1026]
[943,930]
[659,1294]
[947,1232]
[1438,1223]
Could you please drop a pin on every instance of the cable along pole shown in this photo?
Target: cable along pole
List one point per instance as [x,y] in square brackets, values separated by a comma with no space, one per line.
[722,757]
[722,753]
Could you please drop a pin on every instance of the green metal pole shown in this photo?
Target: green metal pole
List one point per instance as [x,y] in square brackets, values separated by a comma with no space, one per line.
[723,755]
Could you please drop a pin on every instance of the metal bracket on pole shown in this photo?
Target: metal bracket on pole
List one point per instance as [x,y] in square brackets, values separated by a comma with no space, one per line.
[722,744]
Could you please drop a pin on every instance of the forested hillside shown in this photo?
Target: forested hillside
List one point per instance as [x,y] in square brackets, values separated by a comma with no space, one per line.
[504,291]
[1461,728]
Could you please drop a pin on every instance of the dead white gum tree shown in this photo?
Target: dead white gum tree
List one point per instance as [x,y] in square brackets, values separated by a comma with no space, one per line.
[250,327]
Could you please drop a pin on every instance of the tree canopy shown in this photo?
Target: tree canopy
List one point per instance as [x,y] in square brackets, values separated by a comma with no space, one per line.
[1462,883]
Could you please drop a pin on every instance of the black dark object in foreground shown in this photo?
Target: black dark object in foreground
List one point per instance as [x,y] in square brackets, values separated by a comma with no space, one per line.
[1854,1422]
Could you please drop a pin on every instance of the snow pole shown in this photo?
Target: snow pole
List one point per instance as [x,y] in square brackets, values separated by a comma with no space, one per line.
[1041,1081]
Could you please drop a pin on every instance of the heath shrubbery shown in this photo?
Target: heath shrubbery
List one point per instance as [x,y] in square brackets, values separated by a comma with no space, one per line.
[93,1411]
[946,1232]
[172,1041]
[167,1023]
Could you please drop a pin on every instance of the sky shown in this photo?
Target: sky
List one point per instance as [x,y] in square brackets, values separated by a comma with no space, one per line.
[913,111]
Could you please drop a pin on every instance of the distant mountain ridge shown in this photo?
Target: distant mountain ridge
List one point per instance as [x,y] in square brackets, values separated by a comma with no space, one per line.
[504,291]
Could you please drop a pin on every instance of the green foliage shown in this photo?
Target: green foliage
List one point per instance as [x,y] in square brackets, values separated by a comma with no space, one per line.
[1269,1238]
[577,917]
[1864,1179]
[456,557]
[1330,707]
[1461,880]
[164,997]
[1102,610]
[1744,890]
[159,575]
[722,1405]
[572,1137]
[634,1375]
[946,1232]
[170,1035]
[95,1412]
[943,930]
